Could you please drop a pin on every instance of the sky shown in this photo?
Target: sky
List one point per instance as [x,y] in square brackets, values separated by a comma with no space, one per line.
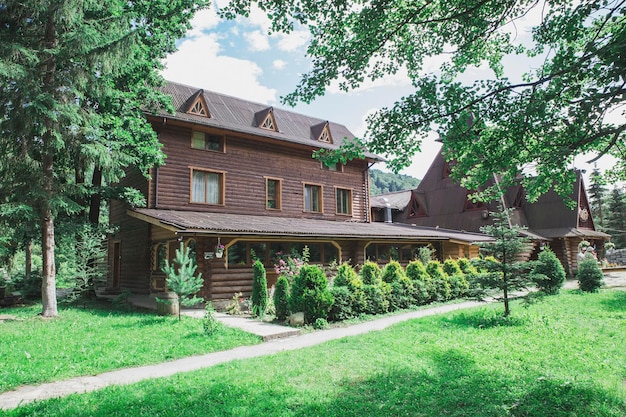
[238,58]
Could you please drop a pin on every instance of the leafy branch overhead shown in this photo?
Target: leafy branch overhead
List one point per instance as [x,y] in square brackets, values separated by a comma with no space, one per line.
[569,101]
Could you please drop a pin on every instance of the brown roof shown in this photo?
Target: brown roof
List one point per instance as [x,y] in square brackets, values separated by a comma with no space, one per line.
[190,222]
[398,200]
[242,116]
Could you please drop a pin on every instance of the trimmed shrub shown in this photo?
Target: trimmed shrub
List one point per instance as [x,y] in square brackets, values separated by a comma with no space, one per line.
[342,307]
[321,324]
[281,298]
[451,267]
[422,284]
[345,274]
[310,295]
[370,273]
[466,266]
[392,272]
[459,286]
[441,285]
[401,294]
[259,297]
[548,273]
[589,275]
[375,298]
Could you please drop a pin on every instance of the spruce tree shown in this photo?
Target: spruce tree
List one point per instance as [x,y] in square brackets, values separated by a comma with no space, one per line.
[505,271]
[181,278]
[597,198]
[616,218]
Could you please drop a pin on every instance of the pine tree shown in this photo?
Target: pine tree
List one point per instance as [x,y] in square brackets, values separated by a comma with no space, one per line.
[616,217]
[505,272]
[181,278]
[597,197]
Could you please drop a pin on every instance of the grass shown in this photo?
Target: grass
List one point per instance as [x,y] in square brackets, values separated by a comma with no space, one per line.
[561,357]
[88,341]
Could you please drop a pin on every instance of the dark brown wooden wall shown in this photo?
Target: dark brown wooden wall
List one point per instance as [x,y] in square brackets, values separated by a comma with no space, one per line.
[246,163]
[134,238]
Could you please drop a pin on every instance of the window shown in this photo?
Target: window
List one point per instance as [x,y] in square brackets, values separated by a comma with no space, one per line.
[313,198]
[206,141]
[344,201]
[159,257]
[207,187]
[333,167]
[273,193]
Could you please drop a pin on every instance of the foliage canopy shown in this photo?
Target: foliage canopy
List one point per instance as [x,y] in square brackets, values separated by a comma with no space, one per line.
[570,103]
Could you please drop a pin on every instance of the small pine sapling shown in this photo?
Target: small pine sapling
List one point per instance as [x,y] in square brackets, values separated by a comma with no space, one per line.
[589,275]
[548,273]
[181,278]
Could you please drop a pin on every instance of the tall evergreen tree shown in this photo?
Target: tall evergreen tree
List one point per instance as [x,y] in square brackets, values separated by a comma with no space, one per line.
[597,197]
[74,78]
[616,218]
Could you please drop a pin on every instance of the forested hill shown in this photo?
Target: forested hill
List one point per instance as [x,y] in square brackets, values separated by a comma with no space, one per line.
[384,182]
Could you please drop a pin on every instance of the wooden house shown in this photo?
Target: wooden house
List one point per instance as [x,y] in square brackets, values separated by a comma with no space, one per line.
[241,176]
[440,202]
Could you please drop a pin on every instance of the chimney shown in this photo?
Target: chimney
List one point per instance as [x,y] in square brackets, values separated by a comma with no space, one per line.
[388,218]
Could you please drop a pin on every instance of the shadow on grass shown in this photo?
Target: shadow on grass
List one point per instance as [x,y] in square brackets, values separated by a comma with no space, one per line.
[617,302]
[451,385]
[486,318]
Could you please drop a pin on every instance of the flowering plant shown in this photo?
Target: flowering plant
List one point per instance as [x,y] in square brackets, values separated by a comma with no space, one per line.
[287,265]
[219,248]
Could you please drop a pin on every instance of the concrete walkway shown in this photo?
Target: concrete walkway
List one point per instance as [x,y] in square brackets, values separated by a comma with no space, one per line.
[27,394]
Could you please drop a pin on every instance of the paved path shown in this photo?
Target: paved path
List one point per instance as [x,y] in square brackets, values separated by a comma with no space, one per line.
[27,394]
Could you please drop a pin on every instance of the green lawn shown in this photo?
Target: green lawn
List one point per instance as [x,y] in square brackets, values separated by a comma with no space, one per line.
[565,356]
[94,340]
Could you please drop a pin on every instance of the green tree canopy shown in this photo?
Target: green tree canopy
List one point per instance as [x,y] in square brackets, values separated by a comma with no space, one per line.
[568,104]
[74,78]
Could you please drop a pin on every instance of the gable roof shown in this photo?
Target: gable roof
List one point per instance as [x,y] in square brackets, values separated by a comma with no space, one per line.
[548,217]
[242,116]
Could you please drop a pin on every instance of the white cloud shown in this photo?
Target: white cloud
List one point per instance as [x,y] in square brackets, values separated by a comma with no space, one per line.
[257,41]
[292,41]
[279,64]
[203,21]
[399,79]
[199,64]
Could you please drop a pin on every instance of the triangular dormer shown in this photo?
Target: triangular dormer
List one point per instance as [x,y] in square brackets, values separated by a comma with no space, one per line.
[265,119]
[321,132]
[417,207]
[197,105]
[472,205]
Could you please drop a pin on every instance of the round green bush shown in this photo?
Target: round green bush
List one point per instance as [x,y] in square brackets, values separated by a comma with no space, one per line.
[422,284]
[281,301]
[459,286]
[377,303]
[310,295]
[466,266]
[342,306]
[548,273]
[401,294]
[345,274]
[451,267]
[370,273]
[441,284]
[392,272]
[321,324]
[589,275]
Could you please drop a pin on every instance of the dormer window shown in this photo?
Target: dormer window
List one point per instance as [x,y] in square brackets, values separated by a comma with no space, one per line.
[197,105]
[473,205]
[265,119]
[321,132]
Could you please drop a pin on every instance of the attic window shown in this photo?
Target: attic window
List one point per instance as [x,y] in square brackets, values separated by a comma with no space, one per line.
[265,119]
[269,123]
[473,205]
[325,135]
[198,107]
[416,209]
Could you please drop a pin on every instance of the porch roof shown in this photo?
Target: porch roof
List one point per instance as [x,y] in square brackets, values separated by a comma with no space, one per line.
[191,222]
[571,232]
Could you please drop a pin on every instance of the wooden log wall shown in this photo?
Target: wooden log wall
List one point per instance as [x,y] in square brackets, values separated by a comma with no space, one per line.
[246,163]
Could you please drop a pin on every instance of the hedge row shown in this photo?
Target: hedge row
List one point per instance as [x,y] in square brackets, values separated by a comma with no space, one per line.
[370,291]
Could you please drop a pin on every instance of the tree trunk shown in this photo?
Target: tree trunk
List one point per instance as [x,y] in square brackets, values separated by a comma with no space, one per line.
[28,259]
[96,198]
[48,284]
[507,310]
